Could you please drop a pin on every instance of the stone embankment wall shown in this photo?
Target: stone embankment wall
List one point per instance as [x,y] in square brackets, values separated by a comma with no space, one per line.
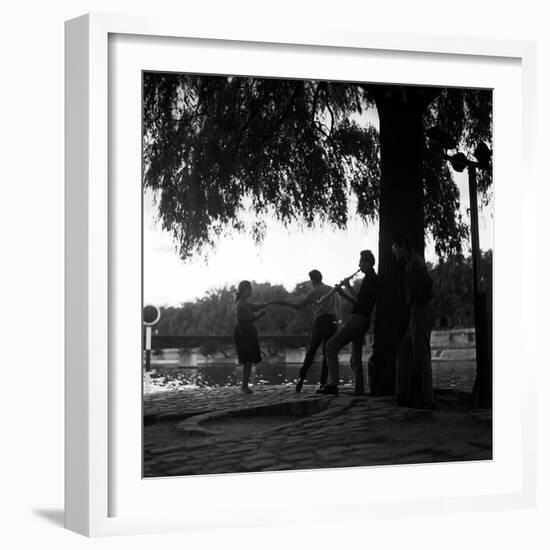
[447,345]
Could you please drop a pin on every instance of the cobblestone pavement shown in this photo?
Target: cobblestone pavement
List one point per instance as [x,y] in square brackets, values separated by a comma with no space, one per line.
[219,430]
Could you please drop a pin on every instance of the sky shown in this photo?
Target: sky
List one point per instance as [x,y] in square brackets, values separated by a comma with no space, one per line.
[285,256]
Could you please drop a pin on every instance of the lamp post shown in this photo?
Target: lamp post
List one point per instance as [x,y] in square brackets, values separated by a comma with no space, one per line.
[483,386]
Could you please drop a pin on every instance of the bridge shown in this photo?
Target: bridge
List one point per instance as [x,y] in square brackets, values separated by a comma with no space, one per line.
[463,338]
[163,341]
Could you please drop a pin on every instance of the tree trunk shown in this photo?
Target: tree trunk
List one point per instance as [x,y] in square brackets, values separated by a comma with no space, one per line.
[402,146]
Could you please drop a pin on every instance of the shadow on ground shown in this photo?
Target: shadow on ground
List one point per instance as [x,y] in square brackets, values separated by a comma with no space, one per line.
[57,517]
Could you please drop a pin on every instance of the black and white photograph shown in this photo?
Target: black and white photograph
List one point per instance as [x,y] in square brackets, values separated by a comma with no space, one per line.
[275,275]
[317,274]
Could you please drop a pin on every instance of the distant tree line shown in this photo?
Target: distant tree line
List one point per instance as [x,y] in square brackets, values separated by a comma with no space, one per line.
[213,314]
[453,289]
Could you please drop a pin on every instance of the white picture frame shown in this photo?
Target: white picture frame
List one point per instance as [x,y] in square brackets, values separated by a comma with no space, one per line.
[98,500]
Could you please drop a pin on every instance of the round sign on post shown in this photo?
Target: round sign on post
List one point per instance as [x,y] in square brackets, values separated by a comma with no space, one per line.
[151,316]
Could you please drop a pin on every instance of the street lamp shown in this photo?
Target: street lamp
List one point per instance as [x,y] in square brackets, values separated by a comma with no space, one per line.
[441,142]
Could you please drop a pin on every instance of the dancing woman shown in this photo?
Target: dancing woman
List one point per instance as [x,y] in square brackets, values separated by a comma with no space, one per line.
[245,333]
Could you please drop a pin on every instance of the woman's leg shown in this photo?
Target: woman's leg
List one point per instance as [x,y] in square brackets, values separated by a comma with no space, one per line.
[247,368]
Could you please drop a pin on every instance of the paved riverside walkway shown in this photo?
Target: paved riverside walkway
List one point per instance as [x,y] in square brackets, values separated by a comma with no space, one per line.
[219,430]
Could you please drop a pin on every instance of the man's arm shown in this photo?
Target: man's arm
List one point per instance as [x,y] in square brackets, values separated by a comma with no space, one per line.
[348,293]
[352,294]
[297,306]
[351,299]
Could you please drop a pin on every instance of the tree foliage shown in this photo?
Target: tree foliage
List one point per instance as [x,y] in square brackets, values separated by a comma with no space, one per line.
[466,115]
[217,147]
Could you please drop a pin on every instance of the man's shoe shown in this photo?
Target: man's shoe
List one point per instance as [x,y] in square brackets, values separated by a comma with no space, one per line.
[329,390]
[321,388]
[299,385]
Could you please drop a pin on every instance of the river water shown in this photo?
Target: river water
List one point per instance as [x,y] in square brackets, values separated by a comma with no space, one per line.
[458,375]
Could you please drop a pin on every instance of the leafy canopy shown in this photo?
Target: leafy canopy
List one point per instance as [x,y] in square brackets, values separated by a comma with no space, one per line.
[221,151]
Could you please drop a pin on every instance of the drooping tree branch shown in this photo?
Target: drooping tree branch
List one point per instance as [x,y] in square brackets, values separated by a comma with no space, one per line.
[270,140]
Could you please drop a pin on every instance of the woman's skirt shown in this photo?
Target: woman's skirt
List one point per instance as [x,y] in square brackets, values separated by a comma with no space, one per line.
[246,342]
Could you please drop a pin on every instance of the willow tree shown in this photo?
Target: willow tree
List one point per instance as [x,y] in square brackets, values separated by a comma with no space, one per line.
[215,147]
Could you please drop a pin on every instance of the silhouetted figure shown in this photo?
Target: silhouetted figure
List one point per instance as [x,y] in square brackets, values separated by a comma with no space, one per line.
[414,361]
[245,333]
[324,304]
[355,327]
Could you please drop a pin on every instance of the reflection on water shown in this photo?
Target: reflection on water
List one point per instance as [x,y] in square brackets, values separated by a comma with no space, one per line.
[457,375]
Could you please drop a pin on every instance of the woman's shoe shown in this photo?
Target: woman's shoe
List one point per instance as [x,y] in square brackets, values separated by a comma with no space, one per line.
[299,385]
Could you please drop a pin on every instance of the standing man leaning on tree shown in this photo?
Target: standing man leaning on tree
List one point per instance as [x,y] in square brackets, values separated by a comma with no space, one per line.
[414,385]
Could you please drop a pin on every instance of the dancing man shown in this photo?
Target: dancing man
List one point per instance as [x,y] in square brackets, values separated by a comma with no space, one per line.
[355,327]
[414,358]
[324,304]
